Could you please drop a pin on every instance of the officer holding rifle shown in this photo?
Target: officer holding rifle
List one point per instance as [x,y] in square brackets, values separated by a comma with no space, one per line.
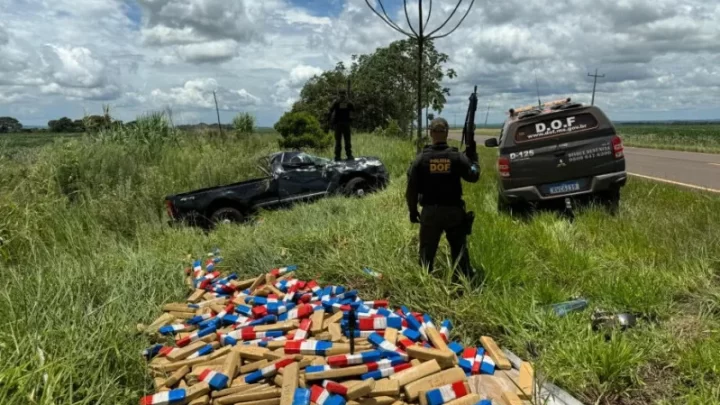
[434,182]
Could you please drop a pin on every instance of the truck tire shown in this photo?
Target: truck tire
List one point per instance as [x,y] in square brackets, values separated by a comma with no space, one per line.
[227,215]
[356,187]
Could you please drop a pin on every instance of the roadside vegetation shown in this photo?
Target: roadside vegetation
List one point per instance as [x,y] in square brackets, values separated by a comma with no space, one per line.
[691,138]
[87,255]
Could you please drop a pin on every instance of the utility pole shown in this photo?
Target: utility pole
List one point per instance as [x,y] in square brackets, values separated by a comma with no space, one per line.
[218,113]
[487,113]
[537,86]
[594,84]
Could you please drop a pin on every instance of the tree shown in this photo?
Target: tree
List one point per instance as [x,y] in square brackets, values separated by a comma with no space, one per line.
[9,124]
[94,123]
[301,130]
[319,92]
[423,35]
[244,123]
[383,86]
[65,124]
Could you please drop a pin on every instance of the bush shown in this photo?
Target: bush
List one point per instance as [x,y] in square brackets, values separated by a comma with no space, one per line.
[301,130]
[392,130]
[150,130]
[244,123]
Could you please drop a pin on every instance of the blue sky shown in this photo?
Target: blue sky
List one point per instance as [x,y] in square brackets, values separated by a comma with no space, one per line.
[661,58]
[329,8]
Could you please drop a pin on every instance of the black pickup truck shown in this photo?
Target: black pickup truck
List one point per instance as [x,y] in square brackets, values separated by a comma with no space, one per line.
[291,177]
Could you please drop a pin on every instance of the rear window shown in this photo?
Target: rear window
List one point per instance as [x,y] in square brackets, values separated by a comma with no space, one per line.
[553,127]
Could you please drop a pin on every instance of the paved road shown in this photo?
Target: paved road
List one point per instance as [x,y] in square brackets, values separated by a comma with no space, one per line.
[688,169]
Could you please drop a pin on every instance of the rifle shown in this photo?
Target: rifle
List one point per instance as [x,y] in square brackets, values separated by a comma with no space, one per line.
[468,137]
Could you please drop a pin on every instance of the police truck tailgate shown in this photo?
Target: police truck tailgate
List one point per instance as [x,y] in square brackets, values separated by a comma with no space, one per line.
[560,153]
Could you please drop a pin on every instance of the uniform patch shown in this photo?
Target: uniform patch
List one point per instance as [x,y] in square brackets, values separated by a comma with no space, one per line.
[440,165]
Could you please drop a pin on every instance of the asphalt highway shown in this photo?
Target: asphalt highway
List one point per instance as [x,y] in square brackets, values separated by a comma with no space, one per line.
[699,171]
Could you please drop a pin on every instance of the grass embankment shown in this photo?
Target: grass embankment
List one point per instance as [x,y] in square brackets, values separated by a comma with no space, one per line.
[88,256]
[690,138]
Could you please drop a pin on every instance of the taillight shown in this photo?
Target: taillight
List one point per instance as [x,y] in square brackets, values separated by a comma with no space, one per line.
[170,208]
[618,148]
[504,166]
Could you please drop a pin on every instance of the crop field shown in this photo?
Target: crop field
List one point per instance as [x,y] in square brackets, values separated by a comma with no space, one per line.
[691,138]
[88,254]
[11,143]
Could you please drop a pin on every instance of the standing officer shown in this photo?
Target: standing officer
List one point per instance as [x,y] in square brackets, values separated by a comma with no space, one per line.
[434,182]
[340,113]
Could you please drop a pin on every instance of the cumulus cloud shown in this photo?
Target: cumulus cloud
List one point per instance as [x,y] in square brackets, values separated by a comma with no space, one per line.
[10,94]
[103,93]
[198,94]
[4,36]
[211,19]
[208,52]
[76,73]
[200,31]
[287,90]
[175,52]
[295,16]
[74,67]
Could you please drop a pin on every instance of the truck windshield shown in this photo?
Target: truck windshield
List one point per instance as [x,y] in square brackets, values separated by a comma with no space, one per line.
[306,158]
[318,160]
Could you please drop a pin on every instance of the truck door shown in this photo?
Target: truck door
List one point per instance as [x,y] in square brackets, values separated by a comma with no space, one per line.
[301,179]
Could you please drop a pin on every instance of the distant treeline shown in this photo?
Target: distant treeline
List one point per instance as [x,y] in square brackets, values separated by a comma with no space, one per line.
[97,122]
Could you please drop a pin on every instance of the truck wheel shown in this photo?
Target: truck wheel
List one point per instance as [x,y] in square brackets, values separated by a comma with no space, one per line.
[356,187]
[226,215]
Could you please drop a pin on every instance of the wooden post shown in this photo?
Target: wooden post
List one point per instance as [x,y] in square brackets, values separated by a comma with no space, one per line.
[218,113]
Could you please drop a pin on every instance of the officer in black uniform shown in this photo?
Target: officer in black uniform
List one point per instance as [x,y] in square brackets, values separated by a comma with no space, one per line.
[340,114]
[434,181]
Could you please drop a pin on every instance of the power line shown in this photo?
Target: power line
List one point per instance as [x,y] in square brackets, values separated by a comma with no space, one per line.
[422,35]
[594,85]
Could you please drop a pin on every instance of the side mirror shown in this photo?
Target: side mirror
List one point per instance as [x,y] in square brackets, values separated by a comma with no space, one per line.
[491,143]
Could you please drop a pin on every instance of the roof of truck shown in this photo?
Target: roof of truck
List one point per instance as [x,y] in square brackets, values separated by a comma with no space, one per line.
[535,110]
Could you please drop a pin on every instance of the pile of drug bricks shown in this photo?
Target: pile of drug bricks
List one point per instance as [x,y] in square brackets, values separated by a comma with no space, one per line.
[277,340]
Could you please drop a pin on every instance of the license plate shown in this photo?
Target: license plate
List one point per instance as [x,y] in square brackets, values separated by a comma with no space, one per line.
[567,187]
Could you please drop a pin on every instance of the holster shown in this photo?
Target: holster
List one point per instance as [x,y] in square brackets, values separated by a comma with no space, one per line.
[469,220]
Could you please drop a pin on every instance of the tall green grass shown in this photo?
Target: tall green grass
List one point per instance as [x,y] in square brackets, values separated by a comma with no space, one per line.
[88,255]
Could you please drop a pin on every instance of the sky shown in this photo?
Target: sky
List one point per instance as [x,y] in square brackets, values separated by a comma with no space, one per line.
[660,58]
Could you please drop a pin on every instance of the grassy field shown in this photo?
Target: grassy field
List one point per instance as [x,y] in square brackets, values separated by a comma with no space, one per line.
[12,143]
[691,138]
[88,255]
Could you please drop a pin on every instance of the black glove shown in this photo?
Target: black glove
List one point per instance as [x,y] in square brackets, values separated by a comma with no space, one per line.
[415,217]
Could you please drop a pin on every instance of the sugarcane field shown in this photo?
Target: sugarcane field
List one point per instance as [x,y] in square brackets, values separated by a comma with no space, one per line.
[359,202]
